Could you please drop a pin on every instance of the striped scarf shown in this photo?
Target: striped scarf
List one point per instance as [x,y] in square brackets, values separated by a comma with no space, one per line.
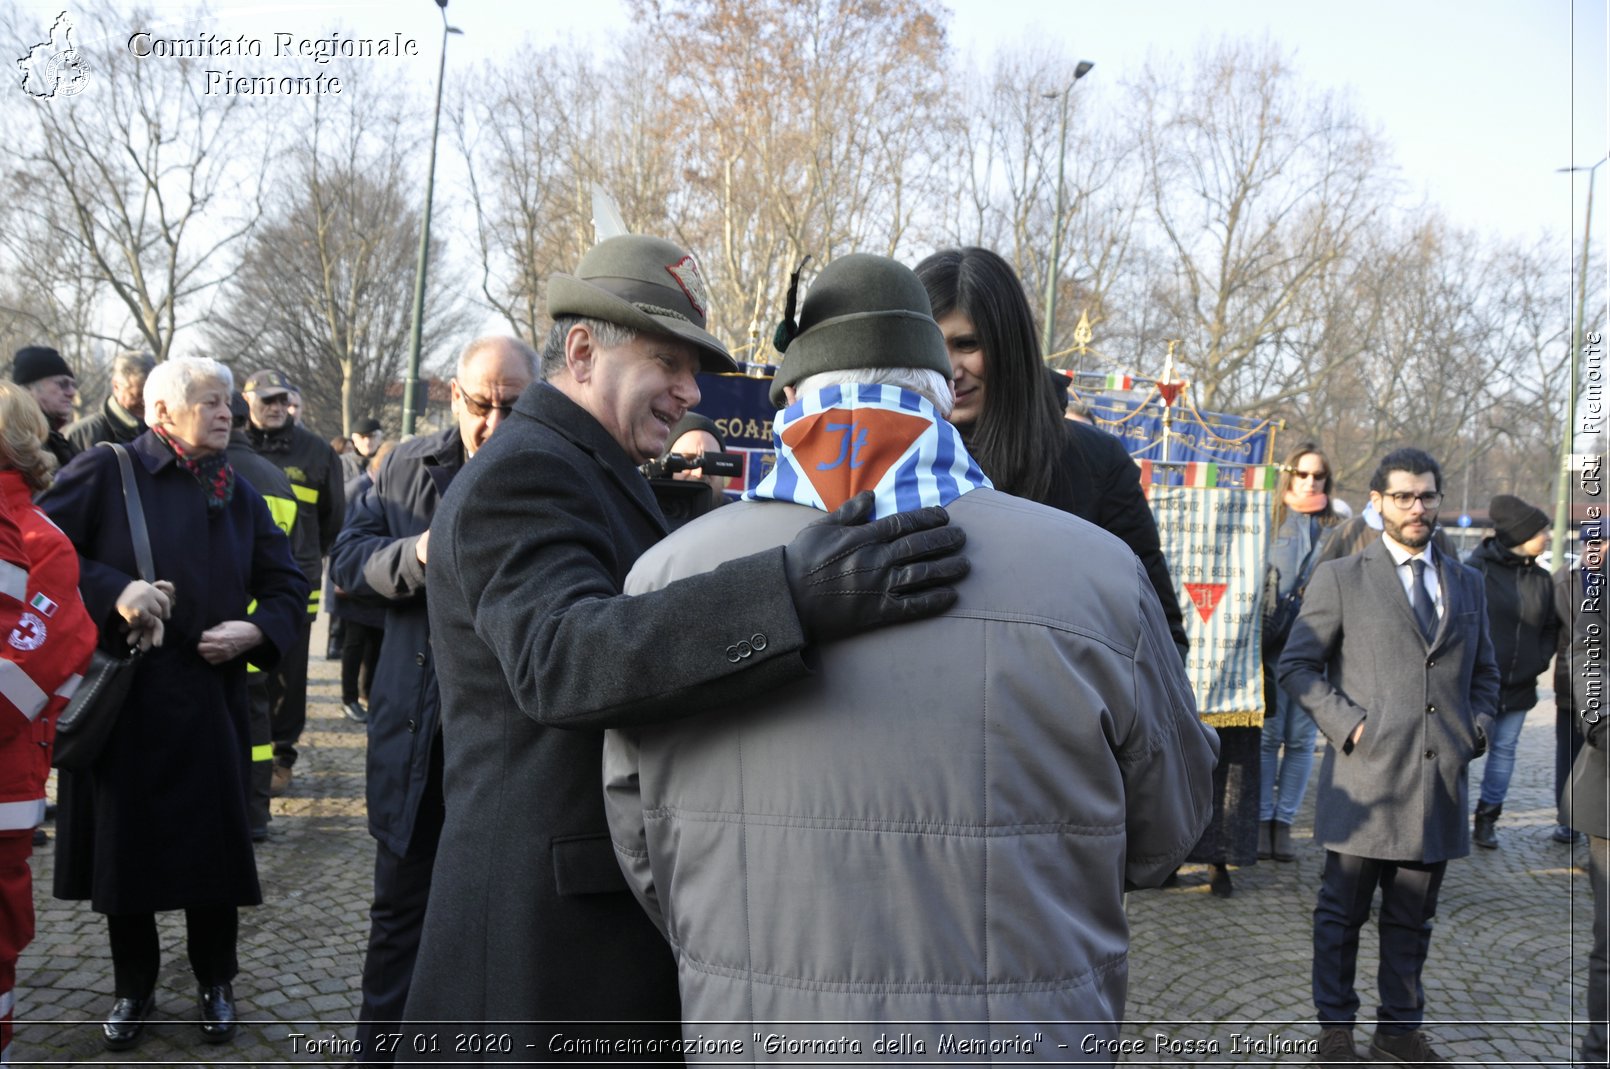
[839,441]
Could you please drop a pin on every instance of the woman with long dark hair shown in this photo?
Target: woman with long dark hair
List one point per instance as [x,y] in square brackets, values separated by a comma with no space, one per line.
[1305,514]
[1011,420]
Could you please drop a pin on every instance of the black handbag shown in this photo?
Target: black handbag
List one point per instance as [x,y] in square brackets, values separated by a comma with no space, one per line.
[84,726]
[1280,611]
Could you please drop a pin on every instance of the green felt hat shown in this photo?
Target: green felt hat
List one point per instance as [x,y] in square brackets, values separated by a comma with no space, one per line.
[862,311]
[646,284]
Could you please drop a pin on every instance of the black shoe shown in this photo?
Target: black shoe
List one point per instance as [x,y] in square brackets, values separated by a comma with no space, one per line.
[1562,834]
[260,835]
[1266,839]
[1405,1048]
[40,838]
[355,712]
[1219,882]
[126,1022]
[1485,834]
[50,812]
[1336,1047]
[217,1013]
[1282,845]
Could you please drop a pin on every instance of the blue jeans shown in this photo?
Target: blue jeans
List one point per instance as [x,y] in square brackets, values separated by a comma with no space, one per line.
[1292,728]
[1501,756]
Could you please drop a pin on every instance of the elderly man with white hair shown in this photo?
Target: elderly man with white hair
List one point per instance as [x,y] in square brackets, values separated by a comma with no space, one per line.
[160,823]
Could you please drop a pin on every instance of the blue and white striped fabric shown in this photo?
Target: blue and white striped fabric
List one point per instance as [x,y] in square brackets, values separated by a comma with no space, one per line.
[838,441]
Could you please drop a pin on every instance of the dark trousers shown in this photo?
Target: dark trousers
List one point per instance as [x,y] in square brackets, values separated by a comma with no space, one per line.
[1408,903]
[360,652]
[1593,1044]
[258,719]
[209,934]
[397,917]
[287,695]
[1567,744]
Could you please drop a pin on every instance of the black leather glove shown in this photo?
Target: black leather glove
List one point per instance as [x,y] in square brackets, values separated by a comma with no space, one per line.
[849,576]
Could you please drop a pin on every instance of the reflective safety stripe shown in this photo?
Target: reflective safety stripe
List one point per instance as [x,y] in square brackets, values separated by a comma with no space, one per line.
[13,581]
[313,600]
[20,690]
[70,687]
[29,814]
[250,668]
[283,511]
[264,752]
[305,493]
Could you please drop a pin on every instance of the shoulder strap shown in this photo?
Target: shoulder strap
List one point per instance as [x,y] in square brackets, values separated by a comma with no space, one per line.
[131,501]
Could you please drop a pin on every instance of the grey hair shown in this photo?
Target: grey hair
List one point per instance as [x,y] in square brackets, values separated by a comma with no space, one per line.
[132,364]
[496,341]
[608,335]
[175,380]
[926,381]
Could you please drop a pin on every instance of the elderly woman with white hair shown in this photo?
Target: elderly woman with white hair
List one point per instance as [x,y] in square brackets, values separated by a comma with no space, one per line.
[160,822]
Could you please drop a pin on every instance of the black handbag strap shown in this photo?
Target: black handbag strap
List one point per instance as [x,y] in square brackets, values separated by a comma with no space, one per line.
[131,501]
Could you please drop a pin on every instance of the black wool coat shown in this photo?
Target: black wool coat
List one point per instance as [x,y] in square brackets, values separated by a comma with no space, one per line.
[536,653]
[160,822]
[1102,485]
[375,556]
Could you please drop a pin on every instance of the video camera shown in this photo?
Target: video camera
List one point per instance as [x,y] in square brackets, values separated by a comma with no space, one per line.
[681,499]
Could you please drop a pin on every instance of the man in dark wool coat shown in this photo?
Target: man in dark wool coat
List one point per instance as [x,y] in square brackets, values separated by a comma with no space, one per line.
[533,944]
[1392,658]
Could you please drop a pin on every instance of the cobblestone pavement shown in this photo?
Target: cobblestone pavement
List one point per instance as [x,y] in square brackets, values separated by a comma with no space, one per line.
[1504,980]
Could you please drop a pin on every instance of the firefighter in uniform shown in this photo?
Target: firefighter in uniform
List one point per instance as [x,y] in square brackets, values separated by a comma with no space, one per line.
[315,474]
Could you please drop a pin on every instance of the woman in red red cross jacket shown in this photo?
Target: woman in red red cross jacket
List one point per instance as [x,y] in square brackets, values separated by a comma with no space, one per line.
[48,639]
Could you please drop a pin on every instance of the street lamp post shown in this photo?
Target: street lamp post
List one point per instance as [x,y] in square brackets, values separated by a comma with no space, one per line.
[1562,495]
[1056,233]
[411,386]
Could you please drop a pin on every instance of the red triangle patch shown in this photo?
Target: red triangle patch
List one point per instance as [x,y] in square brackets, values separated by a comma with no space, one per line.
[1205,596]
[843,451]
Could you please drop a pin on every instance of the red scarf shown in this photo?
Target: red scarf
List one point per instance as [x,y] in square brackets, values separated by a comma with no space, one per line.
[1309,503]
[213,471]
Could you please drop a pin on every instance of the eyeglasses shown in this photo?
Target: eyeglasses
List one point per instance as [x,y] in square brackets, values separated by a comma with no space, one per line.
[277,399]
[1405,500]
[481,409]
[1298,473]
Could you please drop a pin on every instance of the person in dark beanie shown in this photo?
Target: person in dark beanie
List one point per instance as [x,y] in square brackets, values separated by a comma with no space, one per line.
[46,375]
[1523,626]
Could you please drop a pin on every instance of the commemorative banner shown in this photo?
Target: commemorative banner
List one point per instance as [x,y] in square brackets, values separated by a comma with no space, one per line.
[1214,524]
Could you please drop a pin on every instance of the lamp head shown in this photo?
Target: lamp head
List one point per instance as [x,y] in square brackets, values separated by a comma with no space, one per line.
[1078,72]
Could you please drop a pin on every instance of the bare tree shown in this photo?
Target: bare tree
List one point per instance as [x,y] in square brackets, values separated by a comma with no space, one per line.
[324,288]
[145,179]
[1259,190]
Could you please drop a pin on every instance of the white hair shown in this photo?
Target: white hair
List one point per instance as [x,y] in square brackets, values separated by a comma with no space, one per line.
[926,381]
[174,381]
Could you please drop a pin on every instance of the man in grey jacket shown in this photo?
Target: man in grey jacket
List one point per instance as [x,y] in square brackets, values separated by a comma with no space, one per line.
[1392,658]
[939,827]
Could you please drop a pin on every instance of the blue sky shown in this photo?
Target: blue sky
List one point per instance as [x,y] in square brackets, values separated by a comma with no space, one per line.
[1481,100]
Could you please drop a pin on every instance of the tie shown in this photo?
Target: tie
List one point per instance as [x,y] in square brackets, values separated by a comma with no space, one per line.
[1424,612]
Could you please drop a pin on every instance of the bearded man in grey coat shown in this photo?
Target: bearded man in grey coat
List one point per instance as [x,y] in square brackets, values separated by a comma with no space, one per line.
[1392,659]
[940,827]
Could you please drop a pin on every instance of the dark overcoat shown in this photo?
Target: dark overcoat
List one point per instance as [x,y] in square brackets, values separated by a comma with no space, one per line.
[1357,654]
[160,822]
[376,555]
[529,916]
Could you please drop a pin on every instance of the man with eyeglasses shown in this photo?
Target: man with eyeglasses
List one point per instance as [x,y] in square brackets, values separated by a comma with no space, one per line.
[315,474]
[42,371]
[381,553]
[1391,657]
[530,923]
